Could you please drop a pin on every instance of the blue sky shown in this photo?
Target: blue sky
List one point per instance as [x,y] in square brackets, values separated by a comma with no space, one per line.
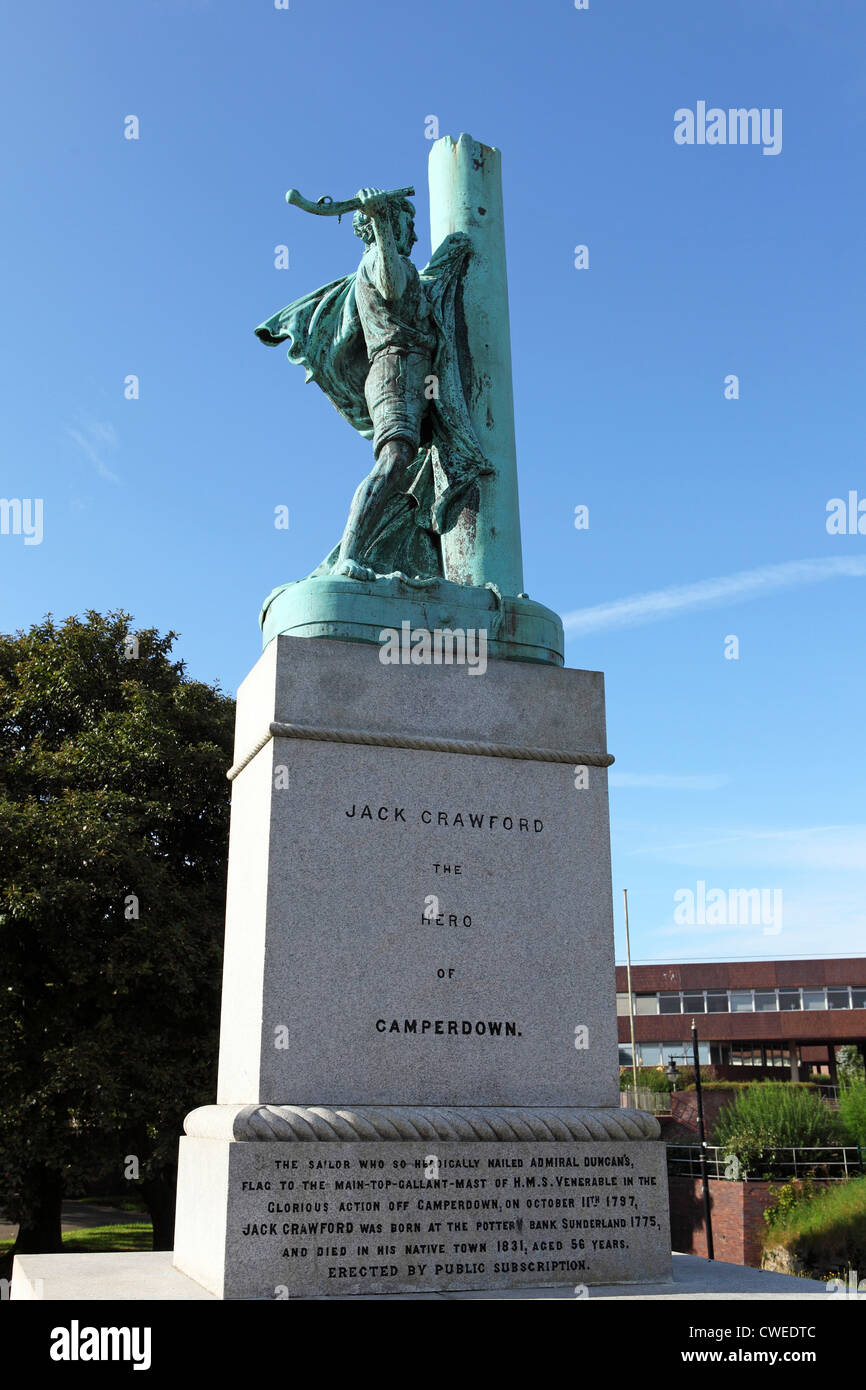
[155,257]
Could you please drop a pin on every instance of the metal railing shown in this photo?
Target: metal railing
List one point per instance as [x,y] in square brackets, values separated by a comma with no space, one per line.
[828,1163]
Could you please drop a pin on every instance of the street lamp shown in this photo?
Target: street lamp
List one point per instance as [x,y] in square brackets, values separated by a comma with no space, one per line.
[673,1073]
[704,1178]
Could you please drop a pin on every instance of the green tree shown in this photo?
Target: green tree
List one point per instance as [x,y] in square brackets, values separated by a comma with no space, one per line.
[113,837]
[850,1064]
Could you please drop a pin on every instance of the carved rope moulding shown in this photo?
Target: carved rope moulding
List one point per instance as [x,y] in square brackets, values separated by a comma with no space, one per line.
[423,744]
[446,1124]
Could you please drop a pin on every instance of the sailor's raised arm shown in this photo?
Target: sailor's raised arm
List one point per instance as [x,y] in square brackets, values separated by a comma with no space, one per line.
[388,271]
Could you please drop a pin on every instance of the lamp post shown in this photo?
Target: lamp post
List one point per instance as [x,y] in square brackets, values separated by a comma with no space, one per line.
[708,1220]
[673,1074]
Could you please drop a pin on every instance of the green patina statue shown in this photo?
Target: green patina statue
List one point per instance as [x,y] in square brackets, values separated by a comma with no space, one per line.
[382,343]
[419,362]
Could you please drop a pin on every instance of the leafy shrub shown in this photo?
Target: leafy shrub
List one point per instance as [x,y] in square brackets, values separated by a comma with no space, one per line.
[852,1111]
[656,1079]
[648,1079]
[850,1064]
[742,1085]
[771,1115]
[787,1198]
[709,1077]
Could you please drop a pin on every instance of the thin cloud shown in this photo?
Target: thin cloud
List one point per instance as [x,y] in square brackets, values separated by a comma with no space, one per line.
[665,781]
[100,433]
[658,604]
[821,847]
[839,918]
[103,430]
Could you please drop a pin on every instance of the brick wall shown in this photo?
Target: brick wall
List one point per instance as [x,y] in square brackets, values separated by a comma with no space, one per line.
[684,1109]
[737,1211]
[681,1125]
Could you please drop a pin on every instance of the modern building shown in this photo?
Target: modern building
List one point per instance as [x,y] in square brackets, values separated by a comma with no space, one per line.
[769,1014]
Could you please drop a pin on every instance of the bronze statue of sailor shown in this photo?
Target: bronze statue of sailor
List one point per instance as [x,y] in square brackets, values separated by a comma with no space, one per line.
[383,344]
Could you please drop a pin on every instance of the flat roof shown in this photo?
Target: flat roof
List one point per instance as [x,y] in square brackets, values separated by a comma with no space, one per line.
[744,974]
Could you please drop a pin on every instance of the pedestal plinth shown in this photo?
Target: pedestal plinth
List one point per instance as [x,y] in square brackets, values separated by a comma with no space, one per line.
[370,1215]
[516,628]
[418,1027]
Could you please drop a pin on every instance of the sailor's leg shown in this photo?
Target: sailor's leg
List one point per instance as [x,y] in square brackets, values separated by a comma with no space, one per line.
[396,401]
[369,502]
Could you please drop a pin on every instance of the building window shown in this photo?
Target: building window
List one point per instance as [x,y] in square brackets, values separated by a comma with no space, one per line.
[683,1054]
[650,1054]
[838,998]
[777,1057]
[745,1056]
[641,1004]
[670,1003]
[741,1001]
[646,1004]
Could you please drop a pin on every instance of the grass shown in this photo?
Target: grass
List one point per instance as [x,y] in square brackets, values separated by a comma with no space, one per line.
[92,1239]
[118,1203]
[135,1236]
[826,1233]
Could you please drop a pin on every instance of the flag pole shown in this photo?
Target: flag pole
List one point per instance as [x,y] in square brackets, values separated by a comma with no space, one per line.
[630,997]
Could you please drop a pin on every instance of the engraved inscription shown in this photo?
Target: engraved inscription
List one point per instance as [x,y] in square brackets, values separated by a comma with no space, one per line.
[493,1214]
[463,820]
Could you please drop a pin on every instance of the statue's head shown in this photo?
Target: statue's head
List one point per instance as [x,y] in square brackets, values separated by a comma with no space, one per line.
[402,215]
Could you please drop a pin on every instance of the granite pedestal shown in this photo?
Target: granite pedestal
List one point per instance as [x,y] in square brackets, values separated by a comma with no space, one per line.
[418,1083]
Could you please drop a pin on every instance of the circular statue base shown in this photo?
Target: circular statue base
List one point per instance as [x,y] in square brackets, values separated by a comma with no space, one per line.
[352,610]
